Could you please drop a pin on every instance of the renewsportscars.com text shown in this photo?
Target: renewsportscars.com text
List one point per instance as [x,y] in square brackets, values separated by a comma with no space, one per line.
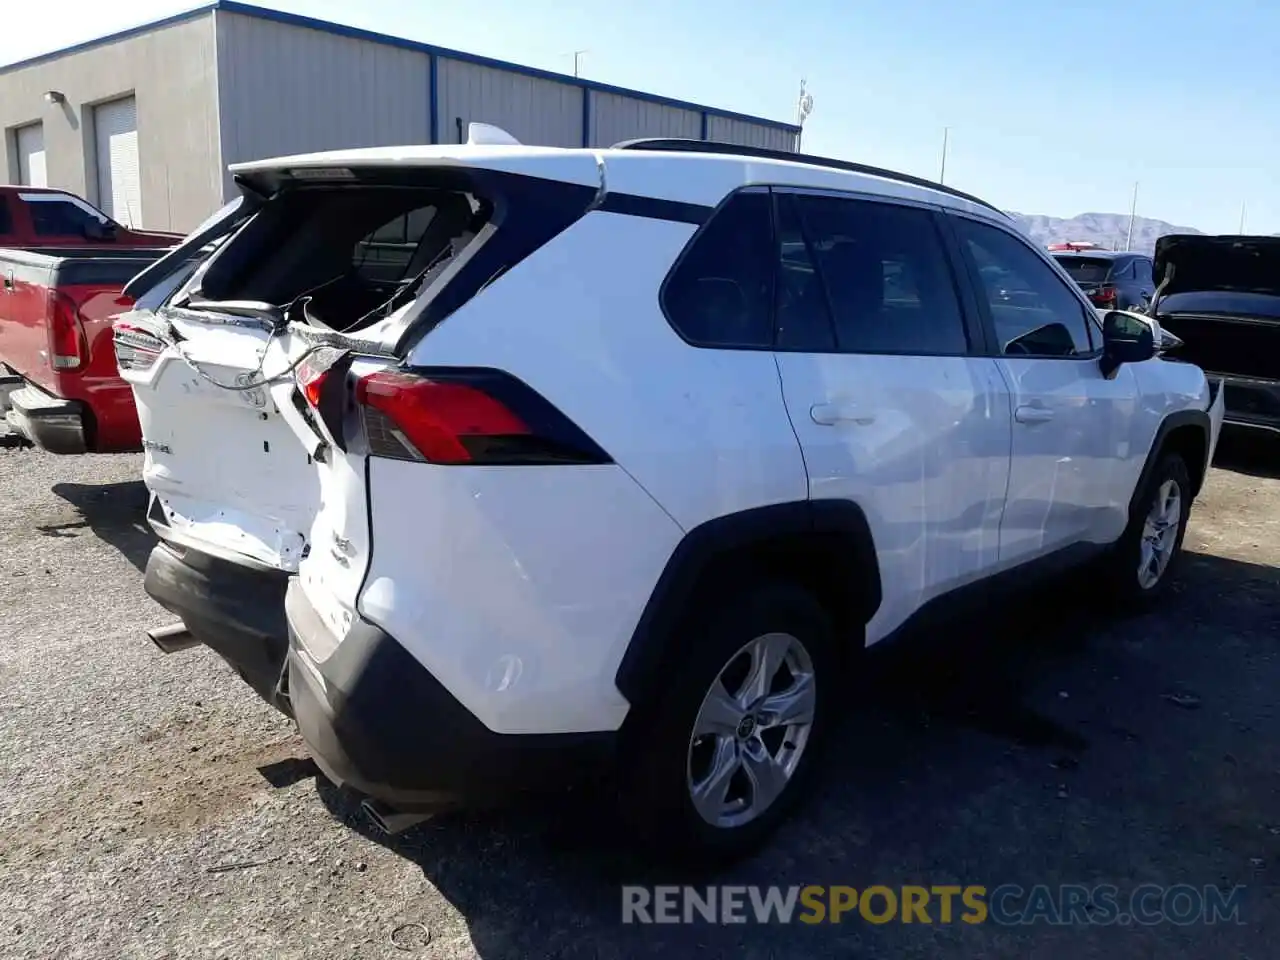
[1005,905]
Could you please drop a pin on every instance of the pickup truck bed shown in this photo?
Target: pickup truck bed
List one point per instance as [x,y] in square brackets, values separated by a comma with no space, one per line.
[59,386]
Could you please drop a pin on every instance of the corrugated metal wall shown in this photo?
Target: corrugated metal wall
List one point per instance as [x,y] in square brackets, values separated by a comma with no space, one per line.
[615,117]
[219,87]
[284,89]
[731,130]
[171,70]
[531,109]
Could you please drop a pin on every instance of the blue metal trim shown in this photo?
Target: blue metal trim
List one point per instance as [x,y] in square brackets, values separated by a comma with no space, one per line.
[124,34]
[356,33]
[433,73]
[586,116]
[703,134]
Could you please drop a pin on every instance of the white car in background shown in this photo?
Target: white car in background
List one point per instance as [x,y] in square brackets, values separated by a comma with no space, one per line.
[494,464]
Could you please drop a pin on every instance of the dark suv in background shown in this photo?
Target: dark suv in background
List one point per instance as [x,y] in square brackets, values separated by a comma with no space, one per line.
[1112,281]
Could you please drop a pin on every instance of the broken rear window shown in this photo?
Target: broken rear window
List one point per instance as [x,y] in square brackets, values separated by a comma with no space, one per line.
[347,254]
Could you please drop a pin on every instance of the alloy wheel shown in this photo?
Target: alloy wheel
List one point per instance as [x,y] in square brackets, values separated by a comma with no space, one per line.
[751,730]
[1159,534]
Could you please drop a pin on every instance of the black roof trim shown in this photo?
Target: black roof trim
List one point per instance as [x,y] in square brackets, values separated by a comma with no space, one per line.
[764,153]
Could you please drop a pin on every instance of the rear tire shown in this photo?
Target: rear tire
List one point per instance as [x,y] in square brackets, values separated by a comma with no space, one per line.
[718,762]
[1139,566]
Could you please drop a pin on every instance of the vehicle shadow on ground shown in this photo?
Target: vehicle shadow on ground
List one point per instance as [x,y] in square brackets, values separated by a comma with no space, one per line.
[1255,453]
[115,512]
[1043,741]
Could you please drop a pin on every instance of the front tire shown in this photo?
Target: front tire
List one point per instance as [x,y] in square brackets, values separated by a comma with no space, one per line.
[1140,564]
[717,764]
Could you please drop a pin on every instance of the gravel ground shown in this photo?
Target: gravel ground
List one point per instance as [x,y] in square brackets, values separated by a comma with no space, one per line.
[152,807]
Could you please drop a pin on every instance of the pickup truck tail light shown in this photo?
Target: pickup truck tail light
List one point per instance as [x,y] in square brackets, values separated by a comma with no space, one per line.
[68,349]
[453,416]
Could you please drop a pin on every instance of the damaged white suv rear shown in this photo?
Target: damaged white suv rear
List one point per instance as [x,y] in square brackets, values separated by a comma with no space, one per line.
[496,466]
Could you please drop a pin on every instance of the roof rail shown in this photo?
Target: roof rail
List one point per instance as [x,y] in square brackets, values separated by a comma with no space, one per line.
[678,145]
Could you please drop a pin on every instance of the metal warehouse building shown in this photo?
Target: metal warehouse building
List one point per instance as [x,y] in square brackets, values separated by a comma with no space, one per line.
[145,122]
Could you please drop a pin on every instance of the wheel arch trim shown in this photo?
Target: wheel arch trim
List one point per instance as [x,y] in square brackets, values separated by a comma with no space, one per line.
[1183,418]
[654,639]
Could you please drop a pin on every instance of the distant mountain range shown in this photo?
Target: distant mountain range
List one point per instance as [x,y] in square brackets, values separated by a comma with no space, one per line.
[1107,230]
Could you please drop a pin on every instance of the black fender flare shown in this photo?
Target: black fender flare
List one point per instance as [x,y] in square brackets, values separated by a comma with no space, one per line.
[1174,421]
[653,640]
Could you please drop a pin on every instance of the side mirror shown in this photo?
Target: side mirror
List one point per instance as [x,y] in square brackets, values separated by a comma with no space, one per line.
[1126,338]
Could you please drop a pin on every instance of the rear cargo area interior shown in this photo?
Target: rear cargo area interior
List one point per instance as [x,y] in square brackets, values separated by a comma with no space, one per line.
[345,257]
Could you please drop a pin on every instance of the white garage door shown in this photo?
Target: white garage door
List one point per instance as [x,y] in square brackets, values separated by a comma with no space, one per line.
[115,129]
[30,144]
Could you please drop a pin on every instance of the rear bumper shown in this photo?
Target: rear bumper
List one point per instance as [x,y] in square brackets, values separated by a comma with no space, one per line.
[50,422]
[376,721]
[236,611]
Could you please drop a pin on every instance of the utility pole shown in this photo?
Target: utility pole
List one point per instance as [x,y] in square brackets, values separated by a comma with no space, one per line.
[577,54]
[804,107]
[1133,211]
[942,174]
[1242,218]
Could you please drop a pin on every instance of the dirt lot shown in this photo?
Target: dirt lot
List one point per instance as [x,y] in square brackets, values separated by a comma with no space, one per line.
[150,807]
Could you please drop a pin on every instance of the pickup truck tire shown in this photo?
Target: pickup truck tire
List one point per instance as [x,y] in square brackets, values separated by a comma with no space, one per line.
[1137,569]
[674,757]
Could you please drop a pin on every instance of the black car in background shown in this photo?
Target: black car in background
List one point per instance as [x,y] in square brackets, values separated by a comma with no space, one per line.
[1112,281]
[1221,297]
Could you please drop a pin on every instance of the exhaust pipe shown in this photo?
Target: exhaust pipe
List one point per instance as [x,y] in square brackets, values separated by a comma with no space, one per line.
[173,638]
[389,821]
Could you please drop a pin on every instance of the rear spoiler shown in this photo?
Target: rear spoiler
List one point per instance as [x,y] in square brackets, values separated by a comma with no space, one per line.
[217,226]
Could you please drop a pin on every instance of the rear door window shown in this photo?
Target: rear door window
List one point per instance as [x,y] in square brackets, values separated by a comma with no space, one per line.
[803,313]
[386,254]
[887,280]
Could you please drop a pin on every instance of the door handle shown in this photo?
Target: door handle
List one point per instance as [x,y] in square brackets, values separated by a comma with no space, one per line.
[827,414]
[1032,413]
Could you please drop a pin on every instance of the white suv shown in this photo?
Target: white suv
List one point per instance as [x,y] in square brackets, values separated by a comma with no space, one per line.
[490,463]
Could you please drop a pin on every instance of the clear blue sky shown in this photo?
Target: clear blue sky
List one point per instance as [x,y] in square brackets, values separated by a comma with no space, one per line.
[1054,107]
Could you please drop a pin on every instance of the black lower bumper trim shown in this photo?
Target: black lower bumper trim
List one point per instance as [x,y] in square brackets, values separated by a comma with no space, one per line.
[236,611]
[58,427]
[382,725]
[1252,403]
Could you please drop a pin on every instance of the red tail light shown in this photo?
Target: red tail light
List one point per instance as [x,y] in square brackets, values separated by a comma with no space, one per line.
[467,417]
[1105,295]
[136,347]
[311,382]
[67,347]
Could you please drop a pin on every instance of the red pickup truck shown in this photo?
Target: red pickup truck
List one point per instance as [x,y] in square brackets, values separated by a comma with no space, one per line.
[59,386]
[63,264]
[44,217]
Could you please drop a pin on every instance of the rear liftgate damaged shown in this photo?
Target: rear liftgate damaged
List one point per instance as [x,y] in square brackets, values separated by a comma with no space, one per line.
[268,374]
